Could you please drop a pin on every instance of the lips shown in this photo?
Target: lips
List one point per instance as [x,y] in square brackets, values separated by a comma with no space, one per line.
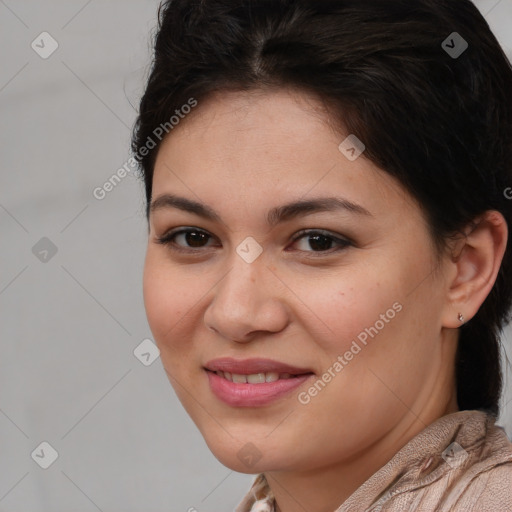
[254,366]
[253,382]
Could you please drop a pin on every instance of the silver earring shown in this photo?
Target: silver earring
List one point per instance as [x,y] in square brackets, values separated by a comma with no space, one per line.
[461,318]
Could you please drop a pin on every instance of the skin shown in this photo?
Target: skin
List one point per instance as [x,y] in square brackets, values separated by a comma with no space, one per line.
[243,154]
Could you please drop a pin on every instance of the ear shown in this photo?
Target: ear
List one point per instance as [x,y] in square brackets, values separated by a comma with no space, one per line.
[474,266]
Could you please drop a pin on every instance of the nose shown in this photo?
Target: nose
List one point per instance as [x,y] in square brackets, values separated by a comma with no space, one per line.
[248,301]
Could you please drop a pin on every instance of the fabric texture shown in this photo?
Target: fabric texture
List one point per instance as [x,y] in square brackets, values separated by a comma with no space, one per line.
[461,462]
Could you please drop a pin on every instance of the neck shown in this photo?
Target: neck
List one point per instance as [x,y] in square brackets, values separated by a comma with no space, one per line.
[325,489]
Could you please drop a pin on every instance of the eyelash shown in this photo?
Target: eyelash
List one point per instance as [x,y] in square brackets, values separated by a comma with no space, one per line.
[168,240]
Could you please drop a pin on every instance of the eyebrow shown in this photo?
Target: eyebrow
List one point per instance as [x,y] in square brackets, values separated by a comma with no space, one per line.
[275,215]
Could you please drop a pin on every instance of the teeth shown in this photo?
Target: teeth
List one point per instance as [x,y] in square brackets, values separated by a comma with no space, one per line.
[254,378]
[271,376]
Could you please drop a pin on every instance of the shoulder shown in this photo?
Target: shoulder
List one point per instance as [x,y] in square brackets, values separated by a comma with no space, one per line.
[486,482]
[489,489]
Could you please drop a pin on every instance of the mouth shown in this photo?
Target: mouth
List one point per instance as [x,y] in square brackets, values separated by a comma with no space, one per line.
[253,382]
[254,371]
[256,378]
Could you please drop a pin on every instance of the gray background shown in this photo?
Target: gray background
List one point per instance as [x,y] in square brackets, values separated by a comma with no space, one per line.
[70,324]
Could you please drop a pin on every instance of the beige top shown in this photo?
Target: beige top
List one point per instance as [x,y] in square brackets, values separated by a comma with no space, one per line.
[462,462]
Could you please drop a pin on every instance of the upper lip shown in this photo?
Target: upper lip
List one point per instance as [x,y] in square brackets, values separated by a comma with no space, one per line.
[252,366]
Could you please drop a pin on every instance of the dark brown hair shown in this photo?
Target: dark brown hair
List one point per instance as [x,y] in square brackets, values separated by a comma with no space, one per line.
[439,123]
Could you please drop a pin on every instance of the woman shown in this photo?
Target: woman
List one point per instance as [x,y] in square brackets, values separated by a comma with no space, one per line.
[328,268]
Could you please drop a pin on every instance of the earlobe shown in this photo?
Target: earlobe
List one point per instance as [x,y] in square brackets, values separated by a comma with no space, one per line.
[475,264]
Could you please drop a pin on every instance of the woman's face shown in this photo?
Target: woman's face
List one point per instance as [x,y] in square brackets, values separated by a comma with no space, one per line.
[353,302]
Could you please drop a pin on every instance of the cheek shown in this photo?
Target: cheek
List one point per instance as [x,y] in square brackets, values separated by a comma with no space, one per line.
[375,340]
[168,297]
[362,321]
[338,307]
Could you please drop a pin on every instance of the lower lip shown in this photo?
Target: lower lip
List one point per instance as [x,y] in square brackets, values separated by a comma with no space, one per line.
[252,395]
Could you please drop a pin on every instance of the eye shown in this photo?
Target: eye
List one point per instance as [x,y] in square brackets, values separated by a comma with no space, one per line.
[321,241]
[192,238]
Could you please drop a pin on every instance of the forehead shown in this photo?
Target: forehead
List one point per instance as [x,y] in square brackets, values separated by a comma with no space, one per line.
[272,145]
[239,121]
[258,131]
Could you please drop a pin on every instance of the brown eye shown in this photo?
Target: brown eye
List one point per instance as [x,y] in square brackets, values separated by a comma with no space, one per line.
[321,241]
[189,239]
